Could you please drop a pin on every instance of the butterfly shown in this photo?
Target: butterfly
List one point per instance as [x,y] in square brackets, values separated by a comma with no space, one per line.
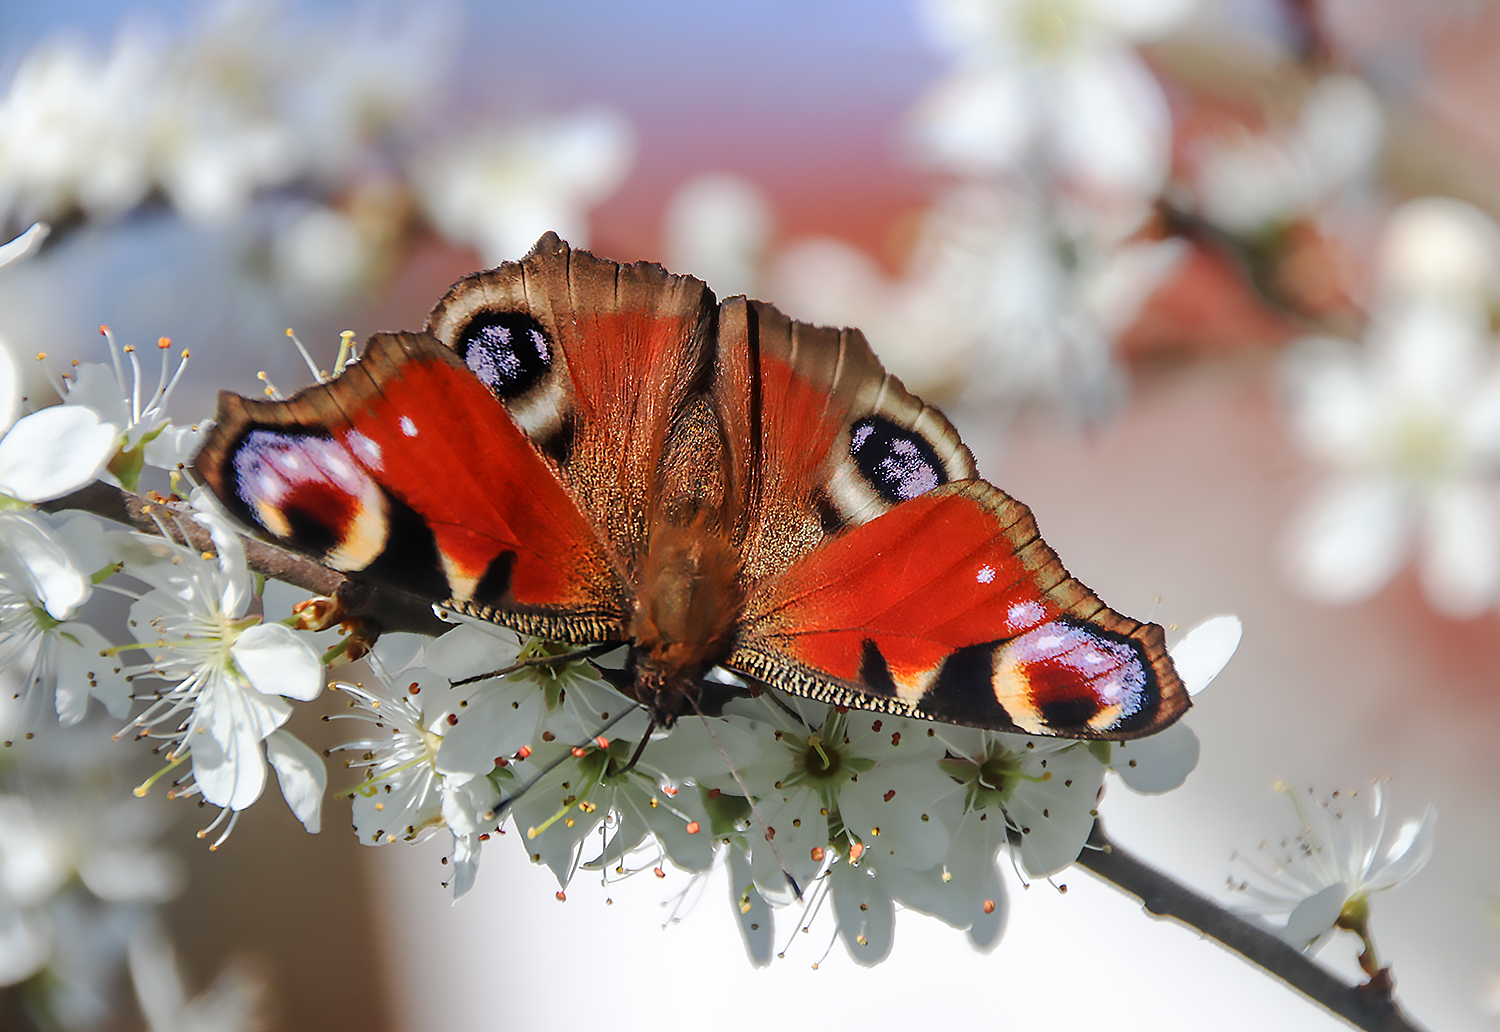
[601,453]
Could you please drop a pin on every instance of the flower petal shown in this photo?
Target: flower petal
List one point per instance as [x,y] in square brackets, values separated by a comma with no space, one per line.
[301,774]
[26,938]
[175,446]
[81,667]
[472,649]
[22,245]
[35,555]
[231,774]
[901,813]
[132,874]
[1056,815]
[10,388]
[276,660]
[966,890]
[1408,854]
[1349,541]
[462,807]
[54,452]
[1205,650]
[1159,763]
[756,920]
[1460,548]
[1314,917]
[496,722]
[866,914]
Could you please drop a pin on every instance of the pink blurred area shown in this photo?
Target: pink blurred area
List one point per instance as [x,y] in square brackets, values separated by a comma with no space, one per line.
[1176,509]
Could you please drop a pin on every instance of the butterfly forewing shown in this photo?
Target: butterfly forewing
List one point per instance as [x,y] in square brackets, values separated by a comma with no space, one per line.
[406,470]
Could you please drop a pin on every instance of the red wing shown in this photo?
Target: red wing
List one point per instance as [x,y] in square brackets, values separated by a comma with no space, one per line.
[951,607]
[407,470]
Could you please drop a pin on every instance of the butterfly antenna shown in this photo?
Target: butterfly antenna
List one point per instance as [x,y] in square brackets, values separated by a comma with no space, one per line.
[535,661]
[760,820]
[496,810]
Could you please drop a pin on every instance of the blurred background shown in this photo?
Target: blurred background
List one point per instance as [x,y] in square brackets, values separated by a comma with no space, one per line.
[1212,286]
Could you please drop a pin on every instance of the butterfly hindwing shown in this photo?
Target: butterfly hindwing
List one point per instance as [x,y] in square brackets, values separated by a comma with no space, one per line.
[406,471]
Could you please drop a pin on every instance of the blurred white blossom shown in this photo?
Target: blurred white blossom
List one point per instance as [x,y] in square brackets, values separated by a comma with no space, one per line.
[1055,91]
[499,189]
[1011,300]
[77,873]
[233,1003]
[1250,182]
[718,227]
[1408,423]
[246,100]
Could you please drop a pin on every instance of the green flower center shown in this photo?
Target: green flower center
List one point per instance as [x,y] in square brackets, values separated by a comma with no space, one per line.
[821,759]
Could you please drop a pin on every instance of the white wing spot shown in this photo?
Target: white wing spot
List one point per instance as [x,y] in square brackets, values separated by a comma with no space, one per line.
[367,450]
[408,427]
[1023,615]
[985,575]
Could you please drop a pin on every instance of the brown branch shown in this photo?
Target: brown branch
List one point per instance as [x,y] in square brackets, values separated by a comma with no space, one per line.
[387,608]
[1370,1007]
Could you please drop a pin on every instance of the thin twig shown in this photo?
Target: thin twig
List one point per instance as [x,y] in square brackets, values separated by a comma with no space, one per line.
[1369,1007]
[388,608]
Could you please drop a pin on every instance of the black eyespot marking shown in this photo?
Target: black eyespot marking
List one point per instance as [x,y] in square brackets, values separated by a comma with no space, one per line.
[898,463]
[1068,714]
[310,530]
[508,351]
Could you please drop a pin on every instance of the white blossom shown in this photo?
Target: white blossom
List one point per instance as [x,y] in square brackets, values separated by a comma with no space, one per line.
[230,674]
[1030,297]
[1323,875]
[719,226]
[1054,88]
[243,101]
[43,584]
[75,873]
[1043,790]
[55,451]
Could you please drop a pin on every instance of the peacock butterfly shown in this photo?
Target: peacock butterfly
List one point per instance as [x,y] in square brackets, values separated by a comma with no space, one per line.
[604,453]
